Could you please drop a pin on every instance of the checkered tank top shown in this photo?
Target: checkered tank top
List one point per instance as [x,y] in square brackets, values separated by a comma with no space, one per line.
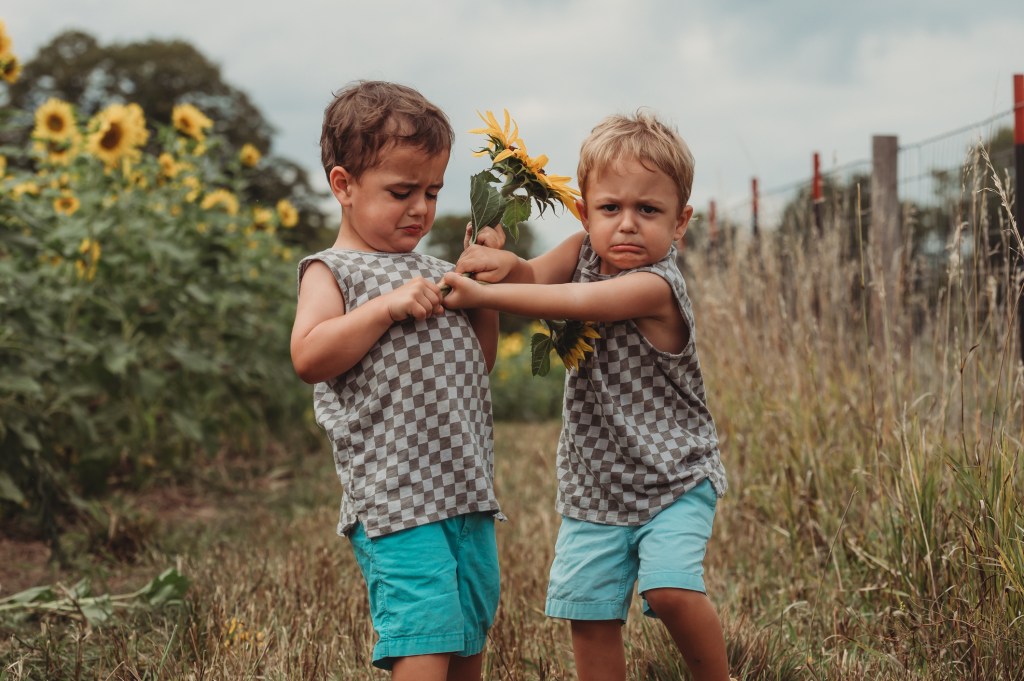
[410,425]
[636,430]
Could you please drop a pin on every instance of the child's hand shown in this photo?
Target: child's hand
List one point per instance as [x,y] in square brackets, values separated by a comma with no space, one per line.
[419,299]
[462,293]
[489,236]
[487,264]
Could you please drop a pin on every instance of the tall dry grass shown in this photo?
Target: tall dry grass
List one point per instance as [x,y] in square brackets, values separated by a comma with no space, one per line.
[873,529]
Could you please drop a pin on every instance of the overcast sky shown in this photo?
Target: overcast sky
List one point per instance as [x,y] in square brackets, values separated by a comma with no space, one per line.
[755,86]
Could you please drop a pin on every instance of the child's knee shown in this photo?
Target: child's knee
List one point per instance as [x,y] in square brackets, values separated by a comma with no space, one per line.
[667,601]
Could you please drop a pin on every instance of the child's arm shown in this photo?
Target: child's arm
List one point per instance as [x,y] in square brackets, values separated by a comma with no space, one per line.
[485,322]
[554,267]
[328,341]
[642,296]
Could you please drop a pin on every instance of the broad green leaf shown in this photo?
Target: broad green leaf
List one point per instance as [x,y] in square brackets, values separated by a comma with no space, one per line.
[187,426]
[168,587]
[24,385]
[486,204]
[96,610]
[9,491]
[118,357]
[517,210]
[37,594]
[540,354]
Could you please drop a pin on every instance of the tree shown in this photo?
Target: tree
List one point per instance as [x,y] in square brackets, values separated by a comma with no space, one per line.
[157,75]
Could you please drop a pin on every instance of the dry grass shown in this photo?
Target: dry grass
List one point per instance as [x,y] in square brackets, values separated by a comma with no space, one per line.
[874,526]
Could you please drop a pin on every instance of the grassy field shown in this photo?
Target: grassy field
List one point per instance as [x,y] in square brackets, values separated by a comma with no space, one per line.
[873,528]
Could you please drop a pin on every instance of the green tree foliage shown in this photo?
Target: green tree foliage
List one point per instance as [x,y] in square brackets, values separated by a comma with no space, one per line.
[157,75]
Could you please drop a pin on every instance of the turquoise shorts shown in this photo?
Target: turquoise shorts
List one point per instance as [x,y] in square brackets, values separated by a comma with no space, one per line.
[432,588]
[596,566]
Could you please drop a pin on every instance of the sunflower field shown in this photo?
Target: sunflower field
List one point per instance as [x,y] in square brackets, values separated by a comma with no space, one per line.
[146,304]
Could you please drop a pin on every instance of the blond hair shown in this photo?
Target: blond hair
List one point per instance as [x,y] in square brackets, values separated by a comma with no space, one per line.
[367,117]
[642,138]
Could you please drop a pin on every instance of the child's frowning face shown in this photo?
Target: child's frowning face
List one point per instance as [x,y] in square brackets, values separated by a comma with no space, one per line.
[633,216]
[391,206]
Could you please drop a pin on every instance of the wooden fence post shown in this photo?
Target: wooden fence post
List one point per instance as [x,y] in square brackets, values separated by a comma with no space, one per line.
[753,205]
[1018,204]
[816,197]
[884,239]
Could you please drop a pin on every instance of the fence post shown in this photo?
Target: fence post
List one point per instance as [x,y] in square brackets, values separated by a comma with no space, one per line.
[1018,204]
[884,241]
[816,197]
[753,205]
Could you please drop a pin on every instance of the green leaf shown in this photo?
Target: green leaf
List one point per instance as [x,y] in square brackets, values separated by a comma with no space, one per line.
[540,354]
[119,357]
[516,211]
[96,610]
[9,491]
[486,204]
[25,385]
[169,587]
[37,594]
[188,427]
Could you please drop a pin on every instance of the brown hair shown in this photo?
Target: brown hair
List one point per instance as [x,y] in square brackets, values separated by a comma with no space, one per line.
[366,117]
[642,138]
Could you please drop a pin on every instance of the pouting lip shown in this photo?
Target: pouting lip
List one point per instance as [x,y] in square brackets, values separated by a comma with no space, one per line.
[411,228]
[627,247]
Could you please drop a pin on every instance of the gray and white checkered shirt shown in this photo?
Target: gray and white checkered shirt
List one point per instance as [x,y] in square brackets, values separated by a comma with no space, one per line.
[636,430]
[410,424]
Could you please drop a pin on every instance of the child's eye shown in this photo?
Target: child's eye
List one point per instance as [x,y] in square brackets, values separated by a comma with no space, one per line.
[609,208]
[400,195]
[648,210]
[431,196]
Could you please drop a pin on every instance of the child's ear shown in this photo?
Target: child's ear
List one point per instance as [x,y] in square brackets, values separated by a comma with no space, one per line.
[683,223]
[581,208]
[341,185]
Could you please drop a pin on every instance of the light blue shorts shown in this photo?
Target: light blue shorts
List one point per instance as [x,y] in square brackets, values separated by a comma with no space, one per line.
[596,566]
[433,588]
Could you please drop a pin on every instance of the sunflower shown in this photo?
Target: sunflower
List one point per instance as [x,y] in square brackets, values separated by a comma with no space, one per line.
[510,158]
[58,152]
[87,265]
[66,204]
[503,139]
[221,198]
[55,120]
[168,166]
[117,132]
[10,68]
[190,121]
[3,165]
[19,190]
[5,39]
[288,213]
[249,156]
[194,187]
[568,338]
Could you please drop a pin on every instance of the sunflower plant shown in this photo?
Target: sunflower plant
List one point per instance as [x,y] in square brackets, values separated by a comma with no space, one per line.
[505,194]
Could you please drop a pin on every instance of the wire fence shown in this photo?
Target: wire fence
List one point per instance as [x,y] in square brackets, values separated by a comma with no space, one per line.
[930,174]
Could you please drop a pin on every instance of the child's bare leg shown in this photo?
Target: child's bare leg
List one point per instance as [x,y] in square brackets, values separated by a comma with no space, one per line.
[465,668]
[421,668]
[694,625]
[597,647]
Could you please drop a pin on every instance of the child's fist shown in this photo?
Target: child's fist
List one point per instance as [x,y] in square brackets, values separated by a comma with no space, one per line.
[491,237]
[419,299]
[461,291]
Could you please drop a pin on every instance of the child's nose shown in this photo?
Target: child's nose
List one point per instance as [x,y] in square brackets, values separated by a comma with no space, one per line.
[629,222]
